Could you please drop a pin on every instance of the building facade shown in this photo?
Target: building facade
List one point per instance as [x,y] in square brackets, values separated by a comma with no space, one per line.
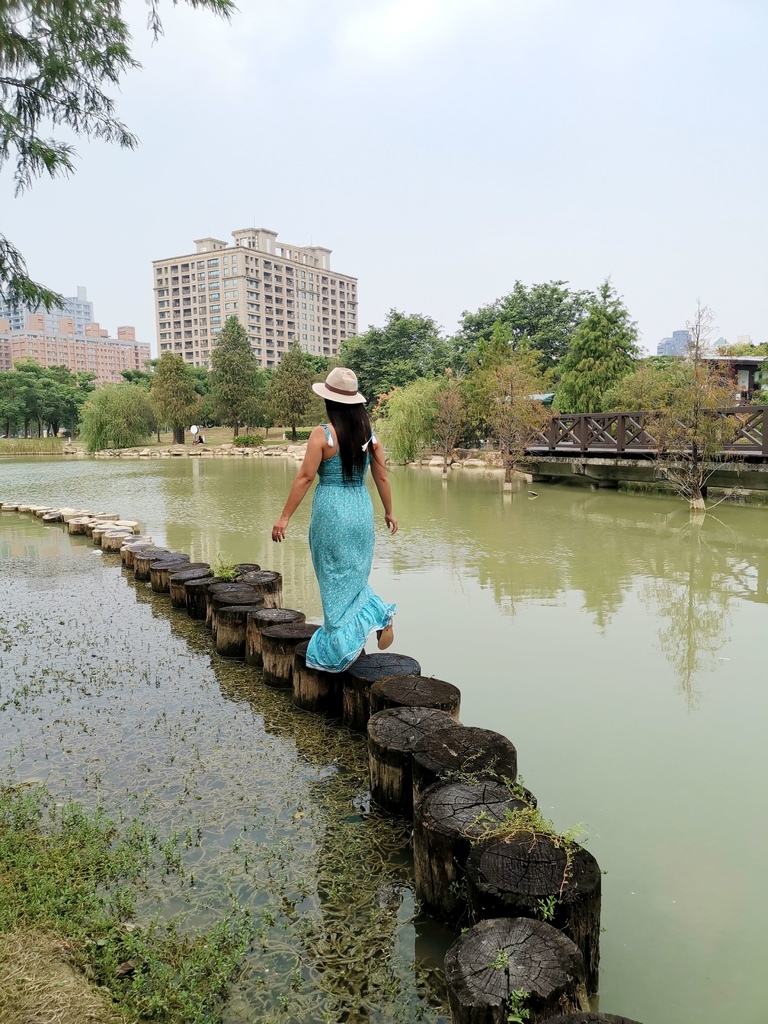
[281,294]
[677,345]
[76,308]
[89,350]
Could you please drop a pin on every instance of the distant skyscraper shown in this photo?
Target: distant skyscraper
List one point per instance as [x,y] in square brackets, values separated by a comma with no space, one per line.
[677,345]
[77,307]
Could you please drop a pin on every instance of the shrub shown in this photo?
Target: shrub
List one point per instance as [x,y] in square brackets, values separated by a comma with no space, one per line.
[301,435]
[249,441]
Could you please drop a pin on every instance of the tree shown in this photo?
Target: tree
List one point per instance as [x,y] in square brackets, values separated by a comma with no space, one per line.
[290,389]
[603,350]
[450,418]
[514,416]
[234,375]
[407,426]
[543,316]
[688,429]
[58,58]
[117,416]
[173,394]
[407,347]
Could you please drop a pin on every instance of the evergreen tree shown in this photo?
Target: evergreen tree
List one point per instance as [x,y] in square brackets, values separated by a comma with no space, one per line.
[603,350]
[173,394]
[56,61]
[290,391]
[234,375]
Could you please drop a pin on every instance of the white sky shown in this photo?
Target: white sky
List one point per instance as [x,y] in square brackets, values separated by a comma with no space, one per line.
[442,149]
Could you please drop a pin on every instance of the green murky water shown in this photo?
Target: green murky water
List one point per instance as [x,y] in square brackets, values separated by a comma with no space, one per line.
[621,648]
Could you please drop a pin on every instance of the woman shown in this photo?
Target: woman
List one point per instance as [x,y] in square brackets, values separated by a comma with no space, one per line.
[341,528]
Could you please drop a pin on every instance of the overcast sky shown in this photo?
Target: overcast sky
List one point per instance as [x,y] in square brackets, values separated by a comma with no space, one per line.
[442,149]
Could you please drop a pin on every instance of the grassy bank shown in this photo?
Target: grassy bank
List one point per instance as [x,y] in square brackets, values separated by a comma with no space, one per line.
[32,445]
[69,883]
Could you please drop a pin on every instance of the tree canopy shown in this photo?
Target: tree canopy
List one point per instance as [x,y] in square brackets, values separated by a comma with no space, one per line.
[117,416]
[602,351]
[59,61]
[234,376]
[542,316]
[407,347]
[43,396]
[290,390]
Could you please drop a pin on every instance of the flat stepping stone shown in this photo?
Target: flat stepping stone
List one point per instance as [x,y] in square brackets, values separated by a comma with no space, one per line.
[360,677]
[392,736]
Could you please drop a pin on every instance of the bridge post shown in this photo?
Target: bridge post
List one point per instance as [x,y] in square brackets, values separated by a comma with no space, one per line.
[621,433]
[765,430]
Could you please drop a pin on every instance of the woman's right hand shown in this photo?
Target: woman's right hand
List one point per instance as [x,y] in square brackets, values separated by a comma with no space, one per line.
[391,522]
[278,530]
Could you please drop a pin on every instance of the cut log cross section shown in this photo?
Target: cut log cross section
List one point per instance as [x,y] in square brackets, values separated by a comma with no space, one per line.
[177,580]
[590,1018]
[449,817]
[414,691]
[196,597]
[263,619]
[231,621]
[160,572]
[360,677]
[392,736]
[469,752]
[520,876]
[268,584]
[495,958]
[222,599]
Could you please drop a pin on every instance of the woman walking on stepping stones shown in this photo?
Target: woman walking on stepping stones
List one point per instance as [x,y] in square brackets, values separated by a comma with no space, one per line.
[341,528]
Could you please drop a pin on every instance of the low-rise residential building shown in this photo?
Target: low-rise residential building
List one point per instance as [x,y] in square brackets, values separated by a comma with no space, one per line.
[281,294]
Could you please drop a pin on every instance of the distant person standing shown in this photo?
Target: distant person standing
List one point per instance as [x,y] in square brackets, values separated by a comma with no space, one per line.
[341,535]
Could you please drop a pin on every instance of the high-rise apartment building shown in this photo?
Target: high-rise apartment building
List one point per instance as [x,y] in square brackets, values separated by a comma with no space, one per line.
[281,294]
[76,308]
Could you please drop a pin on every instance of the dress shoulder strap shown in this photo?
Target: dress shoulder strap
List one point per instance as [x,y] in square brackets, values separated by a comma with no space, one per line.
[371,440]
[328,435]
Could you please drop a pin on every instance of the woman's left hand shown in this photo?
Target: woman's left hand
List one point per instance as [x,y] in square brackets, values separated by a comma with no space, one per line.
[278,530]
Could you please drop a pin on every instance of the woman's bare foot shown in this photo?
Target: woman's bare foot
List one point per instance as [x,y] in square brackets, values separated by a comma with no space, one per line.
[385,637]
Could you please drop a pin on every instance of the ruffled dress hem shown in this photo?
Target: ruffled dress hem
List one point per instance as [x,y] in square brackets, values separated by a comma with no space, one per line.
[329,651]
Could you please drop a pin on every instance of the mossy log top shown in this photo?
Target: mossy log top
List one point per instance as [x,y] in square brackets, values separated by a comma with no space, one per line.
[498,957]
[469,809]
[461,750]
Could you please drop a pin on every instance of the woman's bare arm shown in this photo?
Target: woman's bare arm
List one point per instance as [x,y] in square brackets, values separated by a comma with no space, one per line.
[303,481]
[380,478]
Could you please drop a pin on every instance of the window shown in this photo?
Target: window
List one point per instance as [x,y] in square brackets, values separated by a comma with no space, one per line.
[213,263]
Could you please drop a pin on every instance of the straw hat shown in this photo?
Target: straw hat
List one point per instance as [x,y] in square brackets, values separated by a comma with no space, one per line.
[340,386]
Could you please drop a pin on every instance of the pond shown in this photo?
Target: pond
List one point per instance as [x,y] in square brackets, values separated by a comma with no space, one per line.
[619,644]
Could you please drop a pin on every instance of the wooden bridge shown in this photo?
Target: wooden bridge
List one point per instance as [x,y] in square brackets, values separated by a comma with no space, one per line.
[605,448]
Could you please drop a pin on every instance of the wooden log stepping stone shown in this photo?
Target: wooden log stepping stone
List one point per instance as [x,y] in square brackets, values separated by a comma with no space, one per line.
[360,677]
[113,540]
[219,601]
[527,875]
[143,561]
[129,524]
[392,736]
[160,572]
[449,818]
[414,691]
[243,567]
[462,750]
[69,514]
[51,517]
[177,580]
[76,525]
[313,689]
[196,597]
[505,955]
[131,549]
[242,595]
[278,647]
[263,619]
[590,1018]
[268,584]
[231,621]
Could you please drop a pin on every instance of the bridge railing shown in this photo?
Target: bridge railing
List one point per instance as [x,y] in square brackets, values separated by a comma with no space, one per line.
[619,433]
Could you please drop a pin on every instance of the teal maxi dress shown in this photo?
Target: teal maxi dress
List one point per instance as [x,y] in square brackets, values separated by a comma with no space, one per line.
[341,544]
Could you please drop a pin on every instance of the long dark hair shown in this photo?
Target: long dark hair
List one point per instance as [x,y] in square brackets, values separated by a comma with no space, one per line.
[353,429]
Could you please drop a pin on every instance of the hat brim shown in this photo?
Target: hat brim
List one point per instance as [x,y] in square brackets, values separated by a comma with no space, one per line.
[334,396]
